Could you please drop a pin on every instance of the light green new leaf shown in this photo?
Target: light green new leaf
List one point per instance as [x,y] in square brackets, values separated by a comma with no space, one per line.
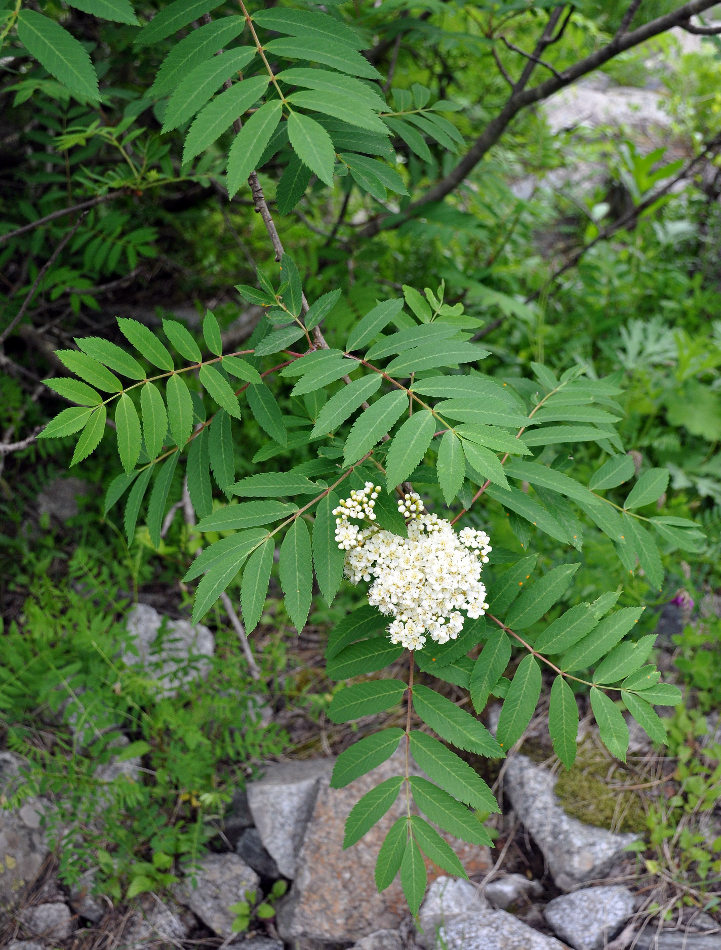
[117,11]
[296,572]
[197,469]
[155,418]
[173,18]
[486,463]
[211,333]
[434,847]
[341,106]
[370,809]
[612,473]
[366,656]
[344,403]
[222,451]
[370,427]
[373,322]
[113,356]
[365,699]
[337,55]
[200,84]
[454,724]
[520,702]
[219,389]
[391,853]
[489,668]
[647,718]
[183,340]
[327,556]
[135,500]
[61,54]
[82,394]
[563,721]
[254,586]
[540,596]
[128,431]
[649,488]
[611,724]
[624,659]
[413,875]
[447,813]
[267,412]
[90,370]
[312,144]
[364,755]
[220,113]
[509,585]
[252,514]
[408,447]
[451,772]
[602,639]
[180,409]
[451,466]
[361,623]
[91,435]
[146,342]
[195,48]
[250,143]
[566,630]
[159,497]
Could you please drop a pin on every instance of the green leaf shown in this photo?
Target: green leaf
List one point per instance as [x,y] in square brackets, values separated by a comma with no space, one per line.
[373,322]
[543,594]
[370,809]
[550,435]
[566,630]
[408,339]
[249,515]
[135,499]
[310,360]
[308,23]
[480,413]
[624,659]
[254,586]
[241,368]
[438,850]
[661,694]
[563,721]
[364,755]
[489,668]
[173,18]
[296,572]
[292,185]
[473,389]
[531,510]
[365,699]
[548,478]
[357,625]
[366,656]
[233,549]
[520,702]
[344,403]
[312,144]
[433,355]
[611,724]
[180,409]
[324,374]
[128,430]
[117,489]
[183,340]
[146,342]
[266,411]
[113,356]
[352,110]
[155,418]
[159,497]
[195,48]
[118,11]
[200,84]
[274,485]
[647,718]
[294,294]
[408,447]
[573,414]
[250,143]
[451,772]
[80,393]
[219,389]
[211,587]
[211,333]
[90,370]
[485,463]
[494,438]
[601,640]
[645,549]
[279,340]
[391,853]
[198,472]
[615,471]
[454,724]
[451,466]
[413,875]
[649,488]
[61,54]
[330,53]
[373,424]
[220,113]
[327,556]
[221,452]
[642,679]
[373,175]
[321,308]
[447,813]
[324,81]
[91,435]
[509,585]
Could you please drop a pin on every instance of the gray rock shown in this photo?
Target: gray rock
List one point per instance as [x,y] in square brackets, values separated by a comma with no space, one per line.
[251,850]
[52,921]
[237,818]
[575,852]
[256,943]
[588,919]
[155,923]
[25,945]
[59,498]
[23,846]
[380,940]
[116,768]
[504,892]
[221,880]
[281,804]
[173,651]
[585,104]
[455,917]
[84,902]
[677,940]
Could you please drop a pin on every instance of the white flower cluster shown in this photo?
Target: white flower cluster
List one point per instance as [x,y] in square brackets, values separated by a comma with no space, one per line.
[422,581]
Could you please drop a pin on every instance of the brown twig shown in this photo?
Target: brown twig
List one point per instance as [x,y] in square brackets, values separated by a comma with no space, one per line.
[81,206]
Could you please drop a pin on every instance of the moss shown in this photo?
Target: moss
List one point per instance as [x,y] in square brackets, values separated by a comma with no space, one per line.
[584,793]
